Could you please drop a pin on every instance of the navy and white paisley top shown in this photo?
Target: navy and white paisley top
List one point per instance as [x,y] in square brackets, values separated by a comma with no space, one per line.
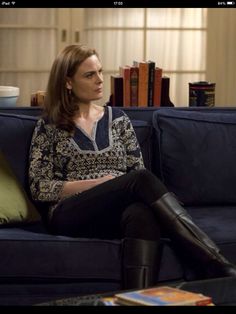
[56,156]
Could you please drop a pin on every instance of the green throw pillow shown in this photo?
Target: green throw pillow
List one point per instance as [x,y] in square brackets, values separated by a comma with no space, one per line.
[15,207]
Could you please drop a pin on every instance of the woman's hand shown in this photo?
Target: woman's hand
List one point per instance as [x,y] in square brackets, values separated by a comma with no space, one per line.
[79,186]
[106,178]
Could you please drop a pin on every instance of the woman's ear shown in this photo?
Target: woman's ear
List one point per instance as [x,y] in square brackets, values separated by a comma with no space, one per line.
[68,83]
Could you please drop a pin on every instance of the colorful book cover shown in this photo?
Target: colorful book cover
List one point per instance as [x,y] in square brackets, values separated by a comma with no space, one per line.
[109,301]
[163,296]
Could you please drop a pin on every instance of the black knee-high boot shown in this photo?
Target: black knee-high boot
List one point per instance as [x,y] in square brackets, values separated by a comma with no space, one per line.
[140,263]
[188,236]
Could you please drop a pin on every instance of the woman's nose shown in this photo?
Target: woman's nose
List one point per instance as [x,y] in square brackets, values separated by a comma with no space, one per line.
[100,77]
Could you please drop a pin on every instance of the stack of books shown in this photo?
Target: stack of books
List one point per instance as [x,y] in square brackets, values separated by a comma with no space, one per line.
[141,84]
[158,296]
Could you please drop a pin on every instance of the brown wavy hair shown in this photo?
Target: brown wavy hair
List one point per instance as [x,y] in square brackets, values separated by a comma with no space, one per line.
[60,106]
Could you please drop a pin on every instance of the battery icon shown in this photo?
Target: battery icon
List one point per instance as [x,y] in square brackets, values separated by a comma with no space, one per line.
[230,2]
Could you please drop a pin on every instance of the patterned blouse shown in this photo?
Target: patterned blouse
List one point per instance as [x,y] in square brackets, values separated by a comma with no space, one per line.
[56,156]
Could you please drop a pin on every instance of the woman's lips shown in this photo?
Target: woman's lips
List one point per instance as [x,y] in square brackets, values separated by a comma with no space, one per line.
[99,90]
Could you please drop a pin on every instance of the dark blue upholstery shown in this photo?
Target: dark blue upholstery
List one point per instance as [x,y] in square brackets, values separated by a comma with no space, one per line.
[197,155]
[44,257]
[15,137]
[144,131]
[191,149]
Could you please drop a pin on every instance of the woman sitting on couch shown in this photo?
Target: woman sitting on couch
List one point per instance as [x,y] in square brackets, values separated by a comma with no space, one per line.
[86,163]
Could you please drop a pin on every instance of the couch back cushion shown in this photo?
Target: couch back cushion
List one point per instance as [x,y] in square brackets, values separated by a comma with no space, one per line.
[197,155]
[144,132]
[15,138]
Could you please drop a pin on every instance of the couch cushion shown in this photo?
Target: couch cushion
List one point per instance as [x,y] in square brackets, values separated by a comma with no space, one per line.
[171,268]
[56,258]
[218,222]
[144,131]
[15,207]
[197,153]
[64,259]
[220,226]
[15,138]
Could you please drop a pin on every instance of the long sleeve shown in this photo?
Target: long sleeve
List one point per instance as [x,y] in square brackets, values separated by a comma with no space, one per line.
[43,184]
[133,151]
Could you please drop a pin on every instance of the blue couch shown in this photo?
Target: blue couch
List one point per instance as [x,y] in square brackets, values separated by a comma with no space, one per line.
[192,150]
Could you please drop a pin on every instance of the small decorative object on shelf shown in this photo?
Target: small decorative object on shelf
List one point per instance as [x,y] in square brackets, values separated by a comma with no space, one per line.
[116,98]
[37,99]
[202,93]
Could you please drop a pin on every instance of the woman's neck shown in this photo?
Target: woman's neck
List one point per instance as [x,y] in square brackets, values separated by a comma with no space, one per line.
[87,111]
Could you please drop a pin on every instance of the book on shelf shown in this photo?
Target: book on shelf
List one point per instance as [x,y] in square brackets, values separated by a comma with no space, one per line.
[134,74]
[125,73]
[162,296]
[151,74]
[116,98]
[157,87]
[142,83]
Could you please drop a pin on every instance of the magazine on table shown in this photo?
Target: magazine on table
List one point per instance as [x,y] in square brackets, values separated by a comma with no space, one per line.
[162,296]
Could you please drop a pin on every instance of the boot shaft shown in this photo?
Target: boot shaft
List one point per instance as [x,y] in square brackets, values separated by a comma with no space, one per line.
[140,263]
[189,239]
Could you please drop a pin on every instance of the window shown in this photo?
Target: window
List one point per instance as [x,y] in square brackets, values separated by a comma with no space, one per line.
[172,37]
[28,47]
[190,44]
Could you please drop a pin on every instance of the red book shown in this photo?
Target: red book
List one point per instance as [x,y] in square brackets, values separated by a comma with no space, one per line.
[157,87]
[125,73]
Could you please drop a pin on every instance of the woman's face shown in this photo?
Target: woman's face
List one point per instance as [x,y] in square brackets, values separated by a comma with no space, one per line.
[87,83]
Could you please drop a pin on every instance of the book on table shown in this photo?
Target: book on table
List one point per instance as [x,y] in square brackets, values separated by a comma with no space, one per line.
[162,296]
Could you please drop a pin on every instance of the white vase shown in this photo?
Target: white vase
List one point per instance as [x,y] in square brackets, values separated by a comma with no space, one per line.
[8,96]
